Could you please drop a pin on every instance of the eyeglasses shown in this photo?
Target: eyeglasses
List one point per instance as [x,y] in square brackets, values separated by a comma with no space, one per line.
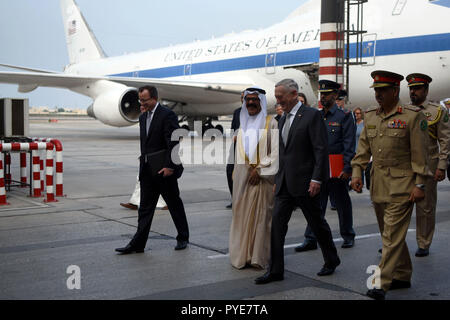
[144,100]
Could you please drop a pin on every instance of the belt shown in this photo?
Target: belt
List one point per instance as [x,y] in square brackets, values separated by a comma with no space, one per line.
[391,162]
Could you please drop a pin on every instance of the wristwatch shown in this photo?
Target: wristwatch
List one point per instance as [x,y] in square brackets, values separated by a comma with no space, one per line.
[420,186]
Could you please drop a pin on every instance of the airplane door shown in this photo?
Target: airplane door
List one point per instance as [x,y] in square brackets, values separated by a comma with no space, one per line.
[369,49]
[270,60]
[187,69]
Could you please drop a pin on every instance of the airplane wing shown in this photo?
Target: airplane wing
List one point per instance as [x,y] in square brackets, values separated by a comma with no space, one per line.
[26,68]
[177,91]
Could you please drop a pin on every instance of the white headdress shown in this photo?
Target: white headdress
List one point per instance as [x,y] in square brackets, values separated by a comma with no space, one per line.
[251,125]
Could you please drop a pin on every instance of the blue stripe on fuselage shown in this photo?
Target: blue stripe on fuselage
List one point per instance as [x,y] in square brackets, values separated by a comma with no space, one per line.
[407,45]
[444,3]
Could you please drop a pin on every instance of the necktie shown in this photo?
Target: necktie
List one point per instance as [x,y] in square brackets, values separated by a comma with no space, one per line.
[149,118]
[286,127]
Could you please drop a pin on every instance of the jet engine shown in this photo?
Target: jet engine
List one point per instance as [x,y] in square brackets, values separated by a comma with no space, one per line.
[118,107]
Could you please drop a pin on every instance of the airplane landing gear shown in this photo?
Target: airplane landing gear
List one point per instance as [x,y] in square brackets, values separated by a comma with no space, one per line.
[206,124]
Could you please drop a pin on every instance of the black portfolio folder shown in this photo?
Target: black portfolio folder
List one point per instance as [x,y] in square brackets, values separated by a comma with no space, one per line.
[156,161]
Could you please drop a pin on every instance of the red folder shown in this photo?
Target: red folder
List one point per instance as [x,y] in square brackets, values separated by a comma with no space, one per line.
[336,165]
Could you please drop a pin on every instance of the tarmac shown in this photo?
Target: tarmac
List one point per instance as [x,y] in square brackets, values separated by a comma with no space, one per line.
[64,250]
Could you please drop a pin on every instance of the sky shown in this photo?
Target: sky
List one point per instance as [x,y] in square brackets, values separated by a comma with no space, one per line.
[32,35]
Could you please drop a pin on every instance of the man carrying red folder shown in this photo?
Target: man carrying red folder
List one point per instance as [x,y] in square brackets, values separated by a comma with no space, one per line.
[341,146]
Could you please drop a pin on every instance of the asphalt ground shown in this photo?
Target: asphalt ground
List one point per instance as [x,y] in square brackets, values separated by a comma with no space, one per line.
[65,250]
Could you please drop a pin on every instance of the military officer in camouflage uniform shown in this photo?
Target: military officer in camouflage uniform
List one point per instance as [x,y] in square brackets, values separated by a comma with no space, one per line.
[395,136]
[438,150]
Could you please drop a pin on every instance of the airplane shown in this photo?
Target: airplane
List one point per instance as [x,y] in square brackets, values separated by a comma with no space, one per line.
[203,79]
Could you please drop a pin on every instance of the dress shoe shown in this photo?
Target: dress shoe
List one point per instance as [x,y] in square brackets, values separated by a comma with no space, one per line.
[422,252]
[306,246]
[181,245]
[328,269]
[229,206]
[129,206]
[269,277]
[333,208]
[165,208]
[399,284]
[348,243]
[129,249]
[377,294]
[380,250]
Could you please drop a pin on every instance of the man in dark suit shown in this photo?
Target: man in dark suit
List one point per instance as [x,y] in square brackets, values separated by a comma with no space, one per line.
[158,171]
[303,168]
[341,131]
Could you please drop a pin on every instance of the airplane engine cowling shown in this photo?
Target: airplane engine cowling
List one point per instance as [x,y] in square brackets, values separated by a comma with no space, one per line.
[119,107]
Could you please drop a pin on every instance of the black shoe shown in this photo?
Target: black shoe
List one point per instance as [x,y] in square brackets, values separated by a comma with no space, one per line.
[328,269]
[269,277]
[422,252]
[380,250]
[181,245]
[306,246]
[399,284]
[377,294]
[334,208]
[229,206]
[129,249]
[348,243]
[129,205]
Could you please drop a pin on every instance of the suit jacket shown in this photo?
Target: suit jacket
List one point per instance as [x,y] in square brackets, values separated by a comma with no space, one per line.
[164,122]
[236,121]
[235,124]
[305,157]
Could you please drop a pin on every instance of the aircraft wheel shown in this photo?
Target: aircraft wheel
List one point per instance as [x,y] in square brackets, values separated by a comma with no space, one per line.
[220,128]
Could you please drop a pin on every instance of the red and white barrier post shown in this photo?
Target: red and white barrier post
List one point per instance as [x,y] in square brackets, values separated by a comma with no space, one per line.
[36,182]
[49,174]
[36,179]
[2,184]
[23,169]
[58,164]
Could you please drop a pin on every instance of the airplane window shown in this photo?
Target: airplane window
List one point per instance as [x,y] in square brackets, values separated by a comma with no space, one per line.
[399,5]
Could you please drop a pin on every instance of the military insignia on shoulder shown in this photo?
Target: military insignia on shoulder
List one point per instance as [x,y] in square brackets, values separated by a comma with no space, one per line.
[423,125]
[413,108]
[371,109]
[434,104]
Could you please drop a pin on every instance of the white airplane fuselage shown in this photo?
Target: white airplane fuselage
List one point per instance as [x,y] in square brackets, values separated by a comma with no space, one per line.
[204,78]
[395,41]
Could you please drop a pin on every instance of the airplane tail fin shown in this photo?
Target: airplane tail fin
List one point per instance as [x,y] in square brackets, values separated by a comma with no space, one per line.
[81,42]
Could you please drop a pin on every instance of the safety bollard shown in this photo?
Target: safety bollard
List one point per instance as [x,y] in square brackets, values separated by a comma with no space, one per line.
[2,185]
[58,164]
[23,169]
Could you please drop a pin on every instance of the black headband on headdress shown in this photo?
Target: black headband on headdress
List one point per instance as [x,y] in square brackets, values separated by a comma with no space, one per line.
[256,89]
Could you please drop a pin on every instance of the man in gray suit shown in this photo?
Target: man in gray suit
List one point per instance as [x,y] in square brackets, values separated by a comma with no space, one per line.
[303,168]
